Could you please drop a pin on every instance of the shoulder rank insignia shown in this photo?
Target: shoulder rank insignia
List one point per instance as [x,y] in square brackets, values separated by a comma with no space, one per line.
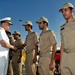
[62,28]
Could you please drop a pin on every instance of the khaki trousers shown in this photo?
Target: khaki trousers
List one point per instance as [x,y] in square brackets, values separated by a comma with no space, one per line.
[30,66]
[10,70]
[20,67]
[68,64]
[17,67]
[43,66]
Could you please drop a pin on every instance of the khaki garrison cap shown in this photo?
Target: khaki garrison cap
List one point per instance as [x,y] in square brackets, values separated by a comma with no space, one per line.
[16,32]
[66,5]
[42,19]
[28,23]
[7,19]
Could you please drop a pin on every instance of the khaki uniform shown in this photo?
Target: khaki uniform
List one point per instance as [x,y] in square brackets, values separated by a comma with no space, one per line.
[10,70]
[68,57]
[47,40]
[16,59]
[31,40]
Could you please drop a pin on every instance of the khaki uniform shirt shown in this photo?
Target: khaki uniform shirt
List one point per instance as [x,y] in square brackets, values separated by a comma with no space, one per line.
[31,40]
[47,40]
[68,34]
[18,43]
[11,39]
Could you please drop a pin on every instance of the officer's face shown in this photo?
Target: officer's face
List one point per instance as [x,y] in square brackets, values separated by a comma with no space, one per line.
[41,25]
[6,26]
[67,13]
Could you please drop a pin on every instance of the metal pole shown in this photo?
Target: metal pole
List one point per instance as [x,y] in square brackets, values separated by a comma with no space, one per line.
[20,24]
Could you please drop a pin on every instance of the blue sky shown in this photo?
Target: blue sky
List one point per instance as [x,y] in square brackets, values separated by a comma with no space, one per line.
[32,10]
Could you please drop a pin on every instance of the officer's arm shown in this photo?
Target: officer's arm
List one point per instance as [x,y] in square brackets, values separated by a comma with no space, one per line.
[7,45]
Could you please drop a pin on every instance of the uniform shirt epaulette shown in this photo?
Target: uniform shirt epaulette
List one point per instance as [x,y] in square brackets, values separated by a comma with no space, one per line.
[33,32]
[46,32]
[1,28]
[62,27]
[49,30]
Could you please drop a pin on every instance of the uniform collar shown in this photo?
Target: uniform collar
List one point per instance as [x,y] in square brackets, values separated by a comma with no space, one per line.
[2,28]
[44,32]
[71,21]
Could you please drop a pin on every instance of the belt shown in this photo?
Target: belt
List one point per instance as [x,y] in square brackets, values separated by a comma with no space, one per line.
[48,54]
[67,50]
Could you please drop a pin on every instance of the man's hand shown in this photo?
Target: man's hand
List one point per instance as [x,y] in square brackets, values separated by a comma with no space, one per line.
[34,60]
[59,68]
[14,48]
[52,65]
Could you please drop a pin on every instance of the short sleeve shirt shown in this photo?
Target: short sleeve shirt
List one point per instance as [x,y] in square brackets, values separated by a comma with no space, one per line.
[18,43]
[67,32]
[31,40]
[11,39]
[47,40]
